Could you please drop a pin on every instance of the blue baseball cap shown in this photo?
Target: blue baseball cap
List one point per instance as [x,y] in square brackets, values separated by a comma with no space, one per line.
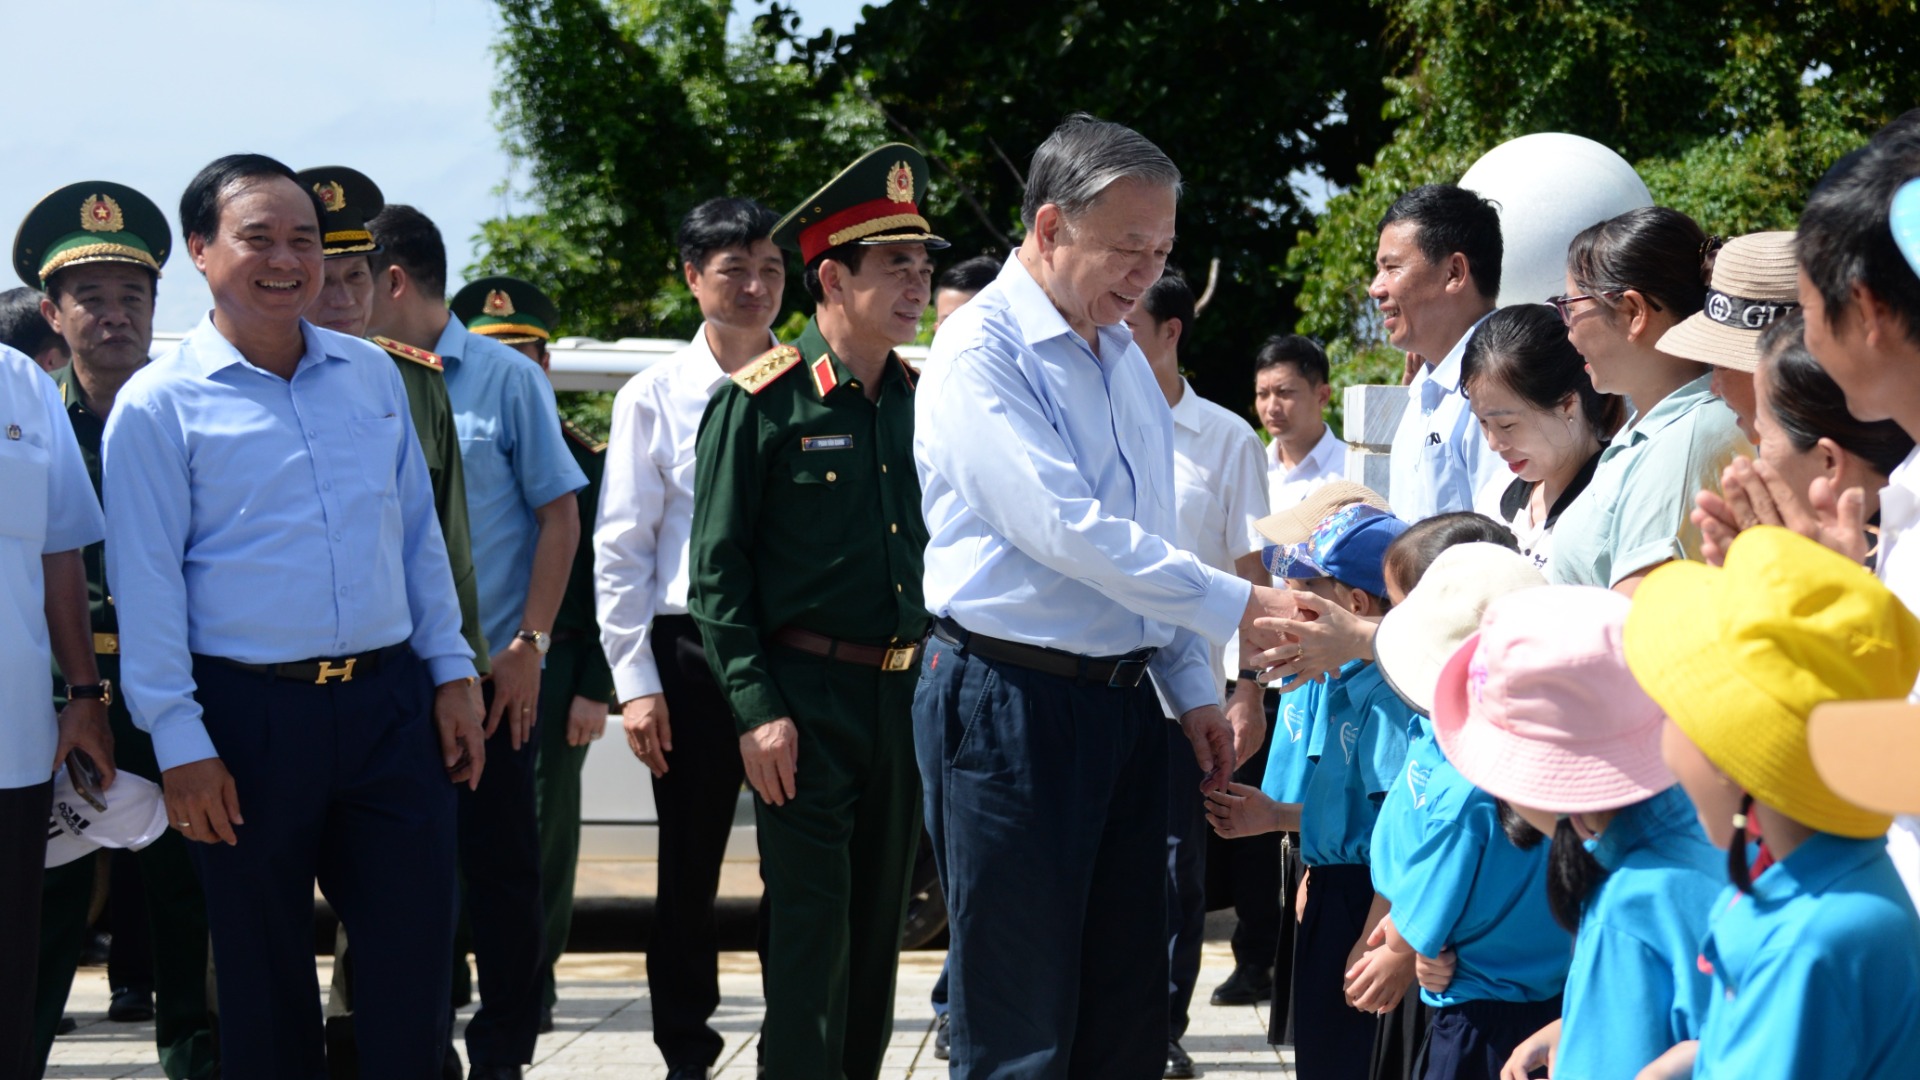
[1348,545]
[1904,216]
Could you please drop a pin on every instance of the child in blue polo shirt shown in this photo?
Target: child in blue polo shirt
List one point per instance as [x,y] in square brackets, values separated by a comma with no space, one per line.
[1540,710]
[1815,959]
[1357,743]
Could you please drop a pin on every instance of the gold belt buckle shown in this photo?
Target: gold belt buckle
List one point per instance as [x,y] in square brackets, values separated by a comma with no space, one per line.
[344,672]
[106,644]
[900,659]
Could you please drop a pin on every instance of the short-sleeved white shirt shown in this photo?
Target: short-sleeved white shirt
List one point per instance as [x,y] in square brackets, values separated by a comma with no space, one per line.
[49,508]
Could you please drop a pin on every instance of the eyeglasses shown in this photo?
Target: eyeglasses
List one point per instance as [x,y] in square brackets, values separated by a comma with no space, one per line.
[1563,304]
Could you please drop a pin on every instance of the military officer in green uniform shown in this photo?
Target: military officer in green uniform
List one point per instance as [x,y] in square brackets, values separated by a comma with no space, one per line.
[806,551]
[576,686]
[96,249]
[344,305]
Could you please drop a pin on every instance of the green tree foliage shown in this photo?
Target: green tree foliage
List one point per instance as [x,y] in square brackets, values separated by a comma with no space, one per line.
[1730,110]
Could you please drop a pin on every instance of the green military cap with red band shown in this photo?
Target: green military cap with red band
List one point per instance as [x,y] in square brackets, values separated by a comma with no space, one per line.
[506,309]
[875,200]
[94,221]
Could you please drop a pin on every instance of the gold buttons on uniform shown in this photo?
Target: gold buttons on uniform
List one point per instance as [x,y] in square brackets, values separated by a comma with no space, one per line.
[883,468]
[896,588]
[832,476]
[894,527]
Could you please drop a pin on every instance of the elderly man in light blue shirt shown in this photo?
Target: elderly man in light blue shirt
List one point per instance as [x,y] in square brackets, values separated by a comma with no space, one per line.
[1437,274]
[1045,451]
[286,613]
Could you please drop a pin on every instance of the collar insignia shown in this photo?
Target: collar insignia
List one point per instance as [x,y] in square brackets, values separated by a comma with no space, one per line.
[102,214]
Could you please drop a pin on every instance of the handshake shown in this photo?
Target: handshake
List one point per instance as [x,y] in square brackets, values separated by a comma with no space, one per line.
[1293,638]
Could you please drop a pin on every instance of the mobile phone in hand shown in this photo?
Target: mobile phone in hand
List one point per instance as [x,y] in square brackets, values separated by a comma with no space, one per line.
[85,777]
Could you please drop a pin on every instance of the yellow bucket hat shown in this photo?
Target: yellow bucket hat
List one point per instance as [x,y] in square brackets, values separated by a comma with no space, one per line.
[1739,657]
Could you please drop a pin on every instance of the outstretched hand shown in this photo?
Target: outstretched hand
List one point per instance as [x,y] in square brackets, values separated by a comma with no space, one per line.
[1316,643]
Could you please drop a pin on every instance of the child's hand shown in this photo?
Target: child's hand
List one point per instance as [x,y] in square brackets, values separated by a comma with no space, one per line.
[1435,972]
[1380,979]
[1675,1064]
[1242,810]
[1536,1052]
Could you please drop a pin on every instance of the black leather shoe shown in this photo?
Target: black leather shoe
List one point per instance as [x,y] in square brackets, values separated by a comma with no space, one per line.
[942,1038]
[1179,1065]
[1246,986]
[494,1072]
[688,1072]
[131,1006]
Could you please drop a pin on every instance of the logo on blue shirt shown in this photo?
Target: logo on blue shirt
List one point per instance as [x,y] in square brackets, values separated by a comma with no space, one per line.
[1296,723]
[1349,736]
[1417,778]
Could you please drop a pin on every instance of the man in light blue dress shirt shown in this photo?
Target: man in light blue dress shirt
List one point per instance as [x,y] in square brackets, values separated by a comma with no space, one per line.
[1437,274]
[1045,451]
[520,480]
[290,638]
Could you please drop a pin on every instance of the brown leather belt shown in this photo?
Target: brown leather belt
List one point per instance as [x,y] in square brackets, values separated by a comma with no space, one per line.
[900,658]
[322,671]
[1120,672]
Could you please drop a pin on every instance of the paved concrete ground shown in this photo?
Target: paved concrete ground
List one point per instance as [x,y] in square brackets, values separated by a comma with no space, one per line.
[603,1025]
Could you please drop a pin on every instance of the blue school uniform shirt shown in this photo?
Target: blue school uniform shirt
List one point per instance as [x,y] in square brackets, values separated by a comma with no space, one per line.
[1402,822]
[1636,987]
[1817,972]
[1474,892]
[1288,764]
[1361,745]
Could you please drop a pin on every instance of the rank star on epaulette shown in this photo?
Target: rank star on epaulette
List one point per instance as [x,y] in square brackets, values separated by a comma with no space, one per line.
[761,372]
[410,352]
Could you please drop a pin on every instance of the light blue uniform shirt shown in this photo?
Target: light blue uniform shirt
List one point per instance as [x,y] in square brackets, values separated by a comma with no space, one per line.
[1636,987]
[1439,461]
[1046,474]
[1288,763]
[1401,826]
[46,507]
[515,460]
[268,521]
[1477,894]
[1362,747]
[1817,973]
[1635,512]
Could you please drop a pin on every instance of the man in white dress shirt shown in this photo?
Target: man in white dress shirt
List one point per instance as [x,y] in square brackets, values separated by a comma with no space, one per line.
[1220,487]
[1292,384]
[1045,452]
[1437,274]
[677,721]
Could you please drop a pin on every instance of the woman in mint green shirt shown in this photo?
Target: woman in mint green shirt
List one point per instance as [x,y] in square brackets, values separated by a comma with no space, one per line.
[1630,279]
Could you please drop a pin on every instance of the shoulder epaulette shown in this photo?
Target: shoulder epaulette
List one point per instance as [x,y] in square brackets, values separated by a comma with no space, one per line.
[579,435]
[408,352]
[768,366]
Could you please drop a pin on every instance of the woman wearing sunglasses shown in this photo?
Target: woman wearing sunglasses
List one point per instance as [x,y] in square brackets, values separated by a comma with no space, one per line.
[1629,280]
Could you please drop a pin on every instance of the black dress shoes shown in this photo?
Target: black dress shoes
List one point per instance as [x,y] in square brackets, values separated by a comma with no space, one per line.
[1179,1065]
[1246,986]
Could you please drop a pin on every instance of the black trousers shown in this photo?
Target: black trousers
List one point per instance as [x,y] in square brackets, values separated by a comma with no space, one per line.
[23,854]
[500,865]
[1474,1039]
[695,801]
[342,783]
[1332,1040]
[1187,852]
[1244,872]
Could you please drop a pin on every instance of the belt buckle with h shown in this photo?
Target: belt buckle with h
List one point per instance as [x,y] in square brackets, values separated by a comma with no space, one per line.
[328,672]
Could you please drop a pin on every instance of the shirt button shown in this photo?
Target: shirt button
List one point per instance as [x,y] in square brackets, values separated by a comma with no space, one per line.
[895,527]
[883,468]
[311,434]
[832,476]
[336,538]
[896,588]
[326,485]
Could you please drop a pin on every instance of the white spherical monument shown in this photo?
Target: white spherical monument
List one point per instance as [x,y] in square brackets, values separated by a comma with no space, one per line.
[1548,187]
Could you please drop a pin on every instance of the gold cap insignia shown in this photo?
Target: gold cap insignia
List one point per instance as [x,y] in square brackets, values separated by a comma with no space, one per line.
[101,214]
[333,197]
[498,303]
[900,183]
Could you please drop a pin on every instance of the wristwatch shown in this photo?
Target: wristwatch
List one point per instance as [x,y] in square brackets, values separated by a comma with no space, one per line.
[101,691]
[539,639]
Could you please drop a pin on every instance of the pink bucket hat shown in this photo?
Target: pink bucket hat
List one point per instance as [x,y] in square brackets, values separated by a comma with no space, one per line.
[1539,708]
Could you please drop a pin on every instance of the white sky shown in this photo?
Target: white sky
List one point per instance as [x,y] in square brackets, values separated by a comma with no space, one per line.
[146,93]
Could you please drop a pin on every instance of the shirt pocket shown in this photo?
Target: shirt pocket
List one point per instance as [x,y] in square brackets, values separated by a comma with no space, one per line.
[821,477]
[376,445]
[24,486]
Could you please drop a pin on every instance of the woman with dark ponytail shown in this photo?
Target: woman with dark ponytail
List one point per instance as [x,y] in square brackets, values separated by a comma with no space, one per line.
[1540,711]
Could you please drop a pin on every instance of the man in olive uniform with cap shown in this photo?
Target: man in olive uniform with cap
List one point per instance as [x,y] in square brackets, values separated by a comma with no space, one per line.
[806,551]
[96,248]
[350,198]
[576,685]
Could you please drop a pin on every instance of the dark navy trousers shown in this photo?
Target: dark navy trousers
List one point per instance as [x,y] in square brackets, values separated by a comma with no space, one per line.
[1047,801]
[1186,878]
[343,784]
[500,866]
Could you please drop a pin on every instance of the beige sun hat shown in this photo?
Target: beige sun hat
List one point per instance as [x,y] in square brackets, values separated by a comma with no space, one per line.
[1869,752]
[1755,281]
[1417,638]
[1295,524]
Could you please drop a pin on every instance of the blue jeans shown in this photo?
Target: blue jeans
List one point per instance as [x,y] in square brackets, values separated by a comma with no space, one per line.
[1046,799]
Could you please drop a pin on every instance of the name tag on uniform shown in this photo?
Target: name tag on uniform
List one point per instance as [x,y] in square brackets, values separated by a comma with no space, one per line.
[826,442]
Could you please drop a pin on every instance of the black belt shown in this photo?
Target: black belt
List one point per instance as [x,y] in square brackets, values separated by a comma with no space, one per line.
[1122,672]
[322,671]
[884,657]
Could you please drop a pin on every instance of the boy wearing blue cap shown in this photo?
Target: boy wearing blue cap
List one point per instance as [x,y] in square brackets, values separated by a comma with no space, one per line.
[1357,743]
